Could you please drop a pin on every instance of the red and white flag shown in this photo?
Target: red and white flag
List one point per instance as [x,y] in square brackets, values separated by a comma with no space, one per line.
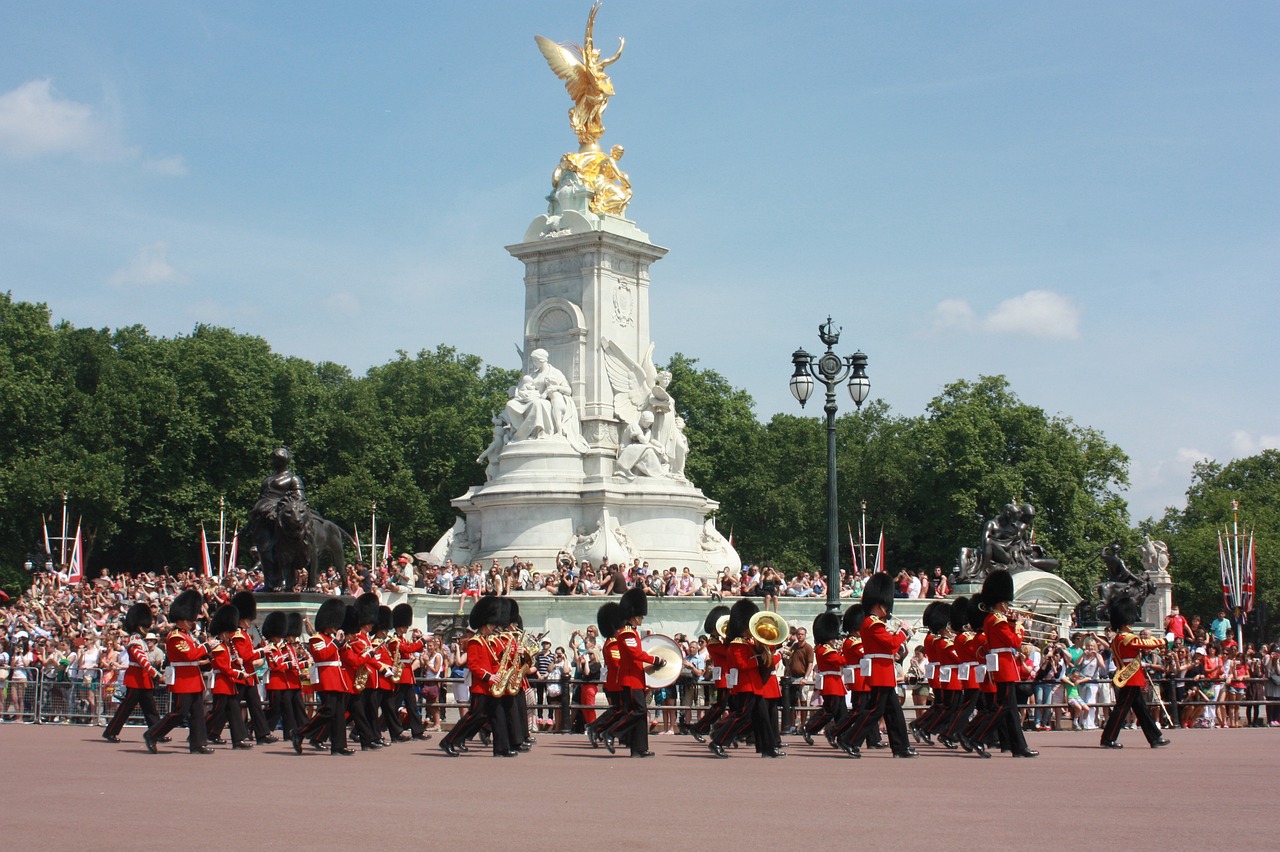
[205,562]
[235,550]
[386,548]
[880,566]
[75,568]
[45,523]
[359,553]
[853,551]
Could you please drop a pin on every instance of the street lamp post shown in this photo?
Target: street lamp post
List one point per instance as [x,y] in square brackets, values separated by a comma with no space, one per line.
[830,369]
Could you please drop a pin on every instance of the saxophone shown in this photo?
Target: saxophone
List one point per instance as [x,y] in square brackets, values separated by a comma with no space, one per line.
[397,668]
[511,667]
[362,676]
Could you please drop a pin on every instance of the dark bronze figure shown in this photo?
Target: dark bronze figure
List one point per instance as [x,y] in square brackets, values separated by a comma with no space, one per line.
[287,533]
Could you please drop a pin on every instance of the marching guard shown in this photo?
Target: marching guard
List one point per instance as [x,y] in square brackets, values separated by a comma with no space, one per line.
[330,720]
[228,676]
[186,685]
[483,657]
[139,678]
[247,605]
[404,649]
[1130,680]
[633,719]
[715,627]
[827,672]
[1004,638]
[608,620]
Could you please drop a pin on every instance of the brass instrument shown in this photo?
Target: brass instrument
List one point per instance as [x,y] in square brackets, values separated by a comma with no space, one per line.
[520,648]
[768,628]
[1037,627]
[362,675]
[722,626]
[1125,674]
[397,668]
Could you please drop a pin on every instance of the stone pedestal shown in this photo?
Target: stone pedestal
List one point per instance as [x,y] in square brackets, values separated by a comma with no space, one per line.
[586,287]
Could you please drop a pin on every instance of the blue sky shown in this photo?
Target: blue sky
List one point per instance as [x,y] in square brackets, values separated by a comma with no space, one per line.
[1084,197]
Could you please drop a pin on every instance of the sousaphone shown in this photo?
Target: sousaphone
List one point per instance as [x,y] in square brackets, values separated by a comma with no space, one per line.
[768,628]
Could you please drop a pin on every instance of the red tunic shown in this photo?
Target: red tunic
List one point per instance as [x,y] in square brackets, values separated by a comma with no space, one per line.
[1127,647]
[407,649]
[184,653]
[277,667]
[771,688]
[632,659]
[226,677]
[383,655]
[482,662]
[949,660]
[852,652]
[327,658]
[244,647]
[827,670]
[612,660]
[718,657]
[881,645]
[930,645]
[293,667]
[140,674]
[1003,640]
[357,654]
[966,648]
[742,659]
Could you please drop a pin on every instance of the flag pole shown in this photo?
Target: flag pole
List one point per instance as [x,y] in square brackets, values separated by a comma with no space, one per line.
[373,533]
[222,536]
[63,559]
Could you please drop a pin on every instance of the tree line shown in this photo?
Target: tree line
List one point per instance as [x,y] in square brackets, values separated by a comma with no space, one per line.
[146,433]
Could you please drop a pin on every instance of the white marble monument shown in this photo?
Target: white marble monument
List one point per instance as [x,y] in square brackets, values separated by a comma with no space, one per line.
[588,455]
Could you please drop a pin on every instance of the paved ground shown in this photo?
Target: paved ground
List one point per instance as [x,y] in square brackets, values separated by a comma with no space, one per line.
[69,789]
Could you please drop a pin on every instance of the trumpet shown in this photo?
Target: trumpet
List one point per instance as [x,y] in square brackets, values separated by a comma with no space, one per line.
[897,625]
[1037,627]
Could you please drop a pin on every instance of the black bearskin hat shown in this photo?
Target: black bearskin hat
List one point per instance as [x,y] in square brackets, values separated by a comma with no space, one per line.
[740,618]
[937,617]
[384,618]
[713,618]
[998,587]
[826,628]
[484,612]
[137,619]
[1123,612]
[226,619]
[402,616]
[367,609]
[634,602]
[853,618]
[878,590]
[186,606]
[273,626]
[978,609]
[293,624]
[350,621]
[960,614]
[330,615]
[246,604]
[609,618]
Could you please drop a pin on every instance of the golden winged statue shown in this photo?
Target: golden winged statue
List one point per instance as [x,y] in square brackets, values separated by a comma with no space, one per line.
[582,70]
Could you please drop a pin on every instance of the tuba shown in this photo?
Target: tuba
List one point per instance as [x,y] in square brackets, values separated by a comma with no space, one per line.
[1125,674]
[768,628]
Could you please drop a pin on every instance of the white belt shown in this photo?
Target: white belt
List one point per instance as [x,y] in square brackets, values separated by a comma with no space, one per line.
[184,664]
[836,673]
[1003,651]
[877,656]
[325,665]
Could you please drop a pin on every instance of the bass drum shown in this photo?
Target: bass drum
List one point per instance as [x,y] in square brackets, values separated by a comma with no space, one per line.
[665,648]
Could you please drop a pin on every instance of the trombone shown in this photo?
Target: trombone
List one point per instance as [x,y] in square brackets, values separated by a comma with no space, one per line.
[1037,627]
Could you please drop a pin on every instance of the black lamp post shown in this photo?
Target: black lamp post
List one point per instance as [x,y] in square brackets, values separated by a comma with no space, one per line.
[830,369]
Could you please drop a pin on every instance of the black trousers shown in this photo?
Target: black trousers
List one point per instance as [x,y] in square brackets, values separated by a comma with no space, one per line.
[329,722]
[133,697]
[1130,698]
[712,713]
[861,702]
[772,740]
[188,706]
[406,696]
[882,703]
[252,700]
[746,713]
[285,705]
[834,710]
[632,721]
[226,711]
[967,703]
[484,709]
[1005,720]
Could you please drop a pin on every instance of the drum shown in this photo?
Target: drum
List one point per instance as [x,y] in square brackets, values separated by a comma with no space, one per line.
[663,647]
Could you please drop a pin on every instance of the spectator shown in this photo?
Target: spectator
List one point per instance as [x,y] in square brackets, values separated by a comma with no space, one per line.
[769,588]
[938,585]
[1272,669]
[432,667]
[1175,626]
[686,587]
[1093,669]
[1220,627]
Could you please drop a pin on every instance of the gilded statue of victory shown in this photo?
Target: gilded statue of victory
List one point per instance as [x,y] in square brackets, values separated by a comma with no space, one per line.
[582,70]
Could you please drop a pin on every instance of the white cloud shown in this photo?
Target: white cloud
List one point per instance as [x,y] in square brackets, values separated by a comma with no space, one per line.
[1244,444]
[174,166]
[1036,313]
[149,268]
[36,121]
[952,314]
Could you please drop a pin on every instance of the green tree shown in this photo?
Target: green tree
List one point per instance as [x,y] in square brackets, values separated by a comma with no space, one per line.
[1192,533]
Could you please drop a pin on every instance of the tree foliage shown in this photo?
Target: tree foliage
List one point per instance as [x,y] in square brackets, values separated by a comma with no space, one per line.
[148,433]
[1192,534]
